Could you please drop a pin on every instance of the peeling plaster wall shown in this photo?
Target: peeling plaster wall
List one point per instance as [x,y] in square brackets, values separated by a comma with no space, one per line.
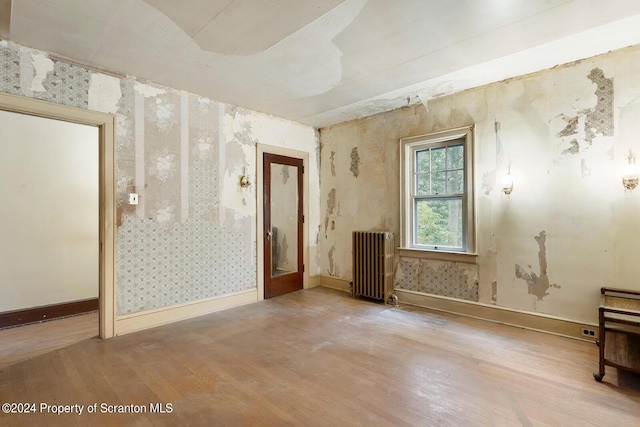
[568,228]
[359,184]
[242,129]
[193,234]
[243,126]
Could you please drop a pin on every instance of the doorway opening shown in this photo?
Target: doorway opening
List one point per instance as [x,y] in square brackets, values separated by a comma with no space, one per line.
[49,230]
[105,200]
[261,150]
[283,224]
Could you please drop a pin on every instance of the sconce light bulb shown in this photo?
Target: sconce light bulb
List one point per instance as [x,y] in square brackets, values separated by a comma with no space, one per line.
[507,184]
[630,173]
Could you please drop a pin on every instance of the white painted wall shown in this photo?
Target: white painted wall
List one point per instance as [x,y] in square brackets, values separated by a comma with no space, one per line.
[49,211]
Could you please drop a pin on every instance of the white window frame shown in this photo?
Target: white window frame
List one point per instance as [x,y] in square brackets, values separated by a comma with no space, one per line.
[408,148]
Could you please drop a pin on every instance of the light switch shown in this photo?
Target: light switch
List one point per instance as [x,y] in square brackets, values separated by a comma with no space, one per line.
[133,199]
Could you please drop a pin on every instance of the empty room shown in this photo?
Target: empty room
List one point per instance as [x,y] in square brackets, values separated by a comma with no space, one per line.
[332,212]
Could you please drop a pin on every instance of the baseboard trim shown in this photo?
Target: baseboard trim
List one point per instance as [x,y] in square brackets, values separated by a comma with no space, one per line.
[162,316]
[335,283]
[47,312]
[506,316]
[314,282]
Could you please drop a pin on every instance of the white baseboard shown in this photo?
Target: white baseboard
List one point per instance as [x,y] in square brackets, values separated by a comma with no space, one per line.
[314,282]
[162,316]
[534,321]
[335,283]
[506,316]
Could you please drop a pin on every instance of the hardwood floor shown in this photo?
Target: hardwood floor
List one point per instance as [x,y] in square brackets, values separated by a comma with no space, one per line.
[24,342]
[319,358]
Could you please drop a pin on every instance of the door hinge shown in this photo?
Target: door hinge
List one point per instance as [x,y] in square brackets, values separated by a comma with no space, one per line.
[303,268]
[302,169]
[303,219]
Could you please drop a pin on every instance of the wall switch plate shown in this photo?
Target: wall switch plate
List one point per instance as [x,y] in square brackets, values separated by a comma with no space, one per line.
[133,199]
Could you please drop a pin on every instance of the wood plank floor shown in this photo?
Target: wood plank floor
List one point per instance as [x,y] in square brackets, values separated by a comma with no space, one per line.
[24,342]
[319,358]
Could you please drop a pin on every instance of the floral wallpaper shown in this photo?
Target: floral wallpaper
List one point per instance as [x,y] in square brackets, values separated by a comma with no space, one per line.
[455,280]
[182,242]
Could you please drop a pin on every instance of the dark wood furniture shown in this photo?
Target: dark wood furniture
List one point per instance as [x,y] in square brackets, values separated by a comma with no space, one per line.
[619,333]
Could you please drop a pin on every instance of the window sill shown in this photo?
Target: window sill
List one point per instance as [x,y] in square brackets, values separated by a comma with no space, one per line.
[464,257]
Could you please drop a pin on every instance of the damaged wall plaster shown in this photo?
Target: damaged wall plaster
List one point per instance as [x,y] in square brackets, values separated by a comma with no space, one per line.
[192,236]
[331,208]
[599,120]
[589,122]
[571,128]
[557,124]
[537,285]
[494,292]
[355,162]
[333,166]
[42,66]
[574,149]
[238,153]
[490,178]
[104,93]
[251,127]
[371,192]
[333,269]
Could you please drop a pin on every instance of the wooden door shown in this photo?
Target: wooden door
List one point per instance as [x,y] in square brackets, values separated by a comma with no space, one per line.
[283,219]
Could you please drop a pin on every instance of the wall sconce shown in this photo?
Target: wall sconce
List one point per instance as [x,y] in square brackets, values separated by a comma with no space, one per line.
[244,179]
[507,182]
[630,173]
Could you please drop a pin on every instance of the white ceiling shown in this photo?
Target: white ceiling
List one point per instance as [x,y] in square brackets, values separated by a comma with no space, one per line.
[325,61]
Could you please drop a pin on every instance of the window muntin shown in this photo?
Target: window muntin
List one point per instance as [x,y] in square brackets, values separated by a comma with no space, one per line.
[439,170]
[437,207]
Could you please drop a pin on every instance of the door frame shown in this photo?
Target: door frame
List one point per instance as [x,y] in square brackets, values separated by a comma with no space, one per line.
[261,149]
[293,281]
[106,191]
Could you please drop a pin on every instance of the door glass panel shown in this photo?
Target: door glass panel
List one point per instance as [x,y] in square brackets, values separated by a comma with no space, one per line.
[284,219]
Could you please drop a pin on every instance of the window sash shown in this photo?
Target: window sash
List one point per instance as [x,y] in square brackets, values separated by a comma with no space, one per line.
[413,193]
[431,195]
[434,245]
[445,170]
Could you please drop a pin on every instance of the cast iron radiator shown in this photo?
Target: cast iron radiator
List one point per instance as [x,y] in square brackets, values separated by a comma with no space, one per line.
[373,264]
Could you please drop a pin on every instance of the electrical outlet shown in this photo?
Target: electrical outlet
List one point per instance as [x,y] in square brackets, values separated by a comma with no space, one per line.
[588,331]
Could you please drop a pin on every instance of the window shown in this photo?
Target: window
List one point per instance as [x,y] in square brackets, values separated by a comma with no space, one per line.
[437,206]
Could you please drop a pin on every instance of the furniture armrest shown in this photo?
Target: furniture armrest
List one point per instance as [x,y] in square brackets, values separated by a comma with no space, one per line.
[605,290]
[624,311]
